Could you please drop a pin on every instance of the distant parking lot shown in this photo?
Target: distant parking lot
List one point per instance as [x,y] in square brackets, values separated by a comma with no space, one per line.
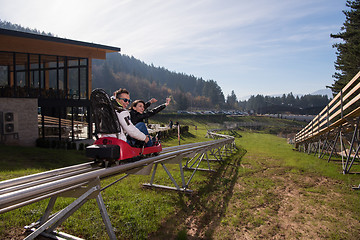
[213,112]
[305,118]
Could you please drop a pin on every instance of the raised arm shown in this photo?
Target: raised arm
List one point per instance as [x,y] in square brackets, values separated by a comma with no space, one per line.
[167,101]
[148,103]
[154,111]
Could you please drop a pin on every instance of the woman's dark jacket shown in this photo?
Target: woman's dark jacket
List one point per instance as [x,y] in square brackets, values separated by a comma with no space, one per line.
[138,117]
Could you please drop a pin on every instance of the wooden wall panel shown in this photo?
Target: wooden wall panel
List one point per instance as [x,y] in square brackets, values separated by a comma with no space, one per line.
[27,45]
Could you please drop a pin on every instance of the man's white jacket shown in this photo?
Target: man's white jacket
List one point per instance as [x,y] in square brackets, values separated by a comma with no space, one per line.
[126,127]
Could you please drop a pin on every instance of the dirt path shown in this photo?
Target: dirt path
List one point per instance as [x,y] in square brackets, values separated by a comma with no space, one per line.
[254,197]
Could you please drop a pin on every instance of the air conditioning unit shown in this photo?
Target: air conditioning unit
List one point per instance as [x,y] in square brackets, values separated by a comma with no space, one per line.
[8,123]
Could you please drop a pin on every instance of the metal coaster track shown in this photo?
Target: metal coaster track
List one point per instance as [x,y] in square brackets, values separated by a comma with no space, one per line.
[83,181]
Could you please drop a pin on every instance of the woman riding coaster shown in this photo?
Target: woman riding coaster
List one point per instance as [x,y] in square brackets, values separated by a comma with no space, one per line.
[138,114]
[120,102]
[112,125]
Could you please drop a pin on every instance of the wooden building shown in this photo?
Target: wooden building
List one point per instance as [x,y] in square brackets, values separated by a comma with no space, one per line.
[45,86]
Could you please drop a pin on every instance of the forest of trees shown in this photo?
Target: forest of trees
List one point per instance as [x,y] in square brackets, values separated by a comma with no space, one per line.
[146,81]
[17,27]
[307,104]
[187,91]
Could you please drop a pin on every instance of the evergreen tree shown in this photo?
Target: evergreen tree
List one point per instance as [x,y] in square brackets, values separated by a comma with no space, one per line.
[231,100]
[17,27]
[348,51]
[307,104]
[214,92]
[290,99]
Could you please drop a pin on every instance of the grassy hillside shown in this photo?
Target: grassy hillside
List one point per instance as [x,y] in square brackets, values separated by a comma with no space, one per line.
[260,123]
[269,191]
[265,190]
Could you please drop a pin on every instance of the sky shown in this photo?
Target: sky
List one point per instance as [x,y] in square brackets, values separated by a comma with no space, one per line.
[265,47]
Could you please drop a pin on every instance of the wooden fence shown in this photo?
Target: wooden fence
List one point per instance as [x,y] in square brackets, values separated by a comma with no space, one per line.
[51,126]
[335,129]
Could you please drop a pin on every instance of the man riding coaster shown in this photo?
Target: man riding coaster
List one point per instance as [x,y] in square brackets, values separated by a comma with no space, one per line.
[120,101]
[112,125]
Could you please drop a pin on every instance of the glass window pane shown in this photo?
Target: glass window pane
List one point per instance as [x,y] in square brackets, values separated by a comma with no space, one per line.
[83,83]
[61,79]
[53,79]
[34,79]
[20,79]
[73,83]
[52,64]
[72,63]
[83,62]
[3,75]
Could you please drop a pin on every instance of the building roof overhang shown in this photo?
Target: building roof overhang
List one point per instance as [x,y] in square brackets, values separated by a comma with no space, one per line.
[15,41]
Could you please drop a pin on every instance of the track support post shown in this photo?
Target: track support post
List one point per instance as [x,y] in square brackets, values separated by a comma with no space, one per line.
[47,224]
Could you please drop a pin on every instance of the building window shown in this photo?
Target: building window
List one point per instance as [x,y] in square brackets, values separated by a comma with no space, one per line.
[43,76]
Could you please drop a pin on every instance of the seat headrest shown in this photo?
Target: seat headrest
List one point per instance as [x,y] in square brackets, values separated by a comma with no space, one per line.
[103,113]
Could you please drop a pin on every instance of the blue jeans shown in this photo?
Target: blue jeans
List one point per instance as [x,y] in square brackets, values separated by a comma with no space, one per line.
[142,127]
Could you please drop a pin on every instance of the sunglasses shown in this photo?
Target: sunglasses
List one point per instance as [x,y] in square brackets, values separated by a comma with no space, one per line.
[125,99]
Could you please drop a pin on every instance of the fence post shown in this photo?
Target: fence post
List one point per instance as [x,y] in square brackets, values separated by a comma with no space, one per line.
[341,103]
[327,116]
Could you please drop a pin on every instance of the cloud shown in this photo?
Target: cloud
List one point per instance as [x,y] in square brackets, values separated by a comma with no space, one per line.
[230,41]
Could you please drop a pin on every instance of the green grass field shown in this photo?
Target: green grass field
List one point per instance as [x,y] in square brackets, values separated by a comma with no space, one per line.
[265,190]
